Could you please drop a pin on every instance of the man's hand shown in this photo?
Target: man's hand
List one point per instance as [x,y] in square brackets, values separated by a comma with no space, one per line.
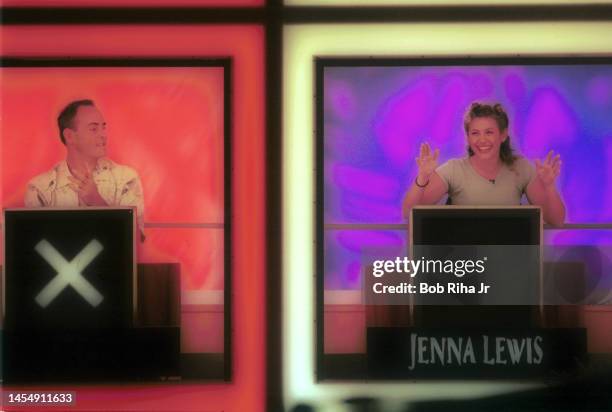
[86,189]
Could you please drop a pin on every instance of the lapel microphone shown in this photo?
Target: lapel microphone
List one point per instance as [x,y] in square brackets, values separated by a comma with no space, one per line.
[492,181]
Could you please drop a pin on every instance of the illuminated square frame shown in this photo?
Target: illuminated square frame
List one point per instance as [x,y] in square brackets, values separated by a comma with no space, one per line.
[441,3]
[244,45]
[133,3]
[302,45]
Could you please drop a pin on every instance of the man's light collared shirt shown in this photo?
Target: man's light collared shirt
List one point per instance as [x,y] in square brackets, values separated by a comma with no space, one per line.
[118,185]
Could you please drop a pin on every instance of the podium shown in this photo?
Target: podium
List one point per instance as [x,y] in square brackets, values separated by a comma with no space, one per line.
[472,340]
[76,307]
[463,226]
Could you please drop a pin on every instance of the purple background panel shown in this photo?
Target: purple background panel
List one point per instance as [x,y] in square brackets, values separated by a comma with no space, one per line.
[376,117]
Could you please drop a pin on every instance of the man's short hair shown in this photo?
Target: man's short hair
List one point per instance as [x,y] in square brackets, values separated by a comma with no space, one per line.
[66,116]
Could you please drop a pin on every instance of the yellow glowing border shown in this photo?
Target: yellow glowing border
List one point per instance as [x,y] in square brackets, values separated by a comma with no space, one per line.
[436,3]
[302,43]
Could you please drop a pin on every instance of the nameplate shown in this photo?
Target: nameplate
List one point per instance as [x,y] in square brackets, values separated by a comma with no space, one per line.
[395,352]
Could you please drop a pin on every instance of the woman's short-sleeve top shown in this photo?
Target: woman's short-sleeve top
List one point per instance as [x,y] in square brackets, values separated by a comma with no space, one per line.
[467,187]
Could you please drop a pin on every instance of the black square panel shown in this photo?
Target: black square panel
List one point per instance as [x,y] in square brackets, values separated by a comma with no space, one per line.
[69,269]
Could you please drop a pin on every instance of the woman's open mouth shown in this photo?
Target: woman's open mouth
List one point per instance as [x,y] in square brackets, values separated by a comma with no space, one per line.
[484,148]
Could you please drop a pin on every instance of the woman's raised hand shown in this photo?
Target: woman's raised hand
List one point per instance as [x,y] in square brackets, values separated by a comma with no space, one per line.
[427,161]
[549,169]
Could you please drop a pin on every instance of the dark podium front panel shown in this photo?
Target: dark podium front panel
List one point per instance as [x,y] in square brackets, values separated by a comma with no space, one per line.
[69,269]
[472,340]
[70,301]
[458,226]
[90,355]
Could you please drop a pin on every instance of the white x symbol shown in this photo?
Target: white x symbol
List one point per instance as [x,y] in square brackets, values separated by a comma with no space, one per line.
[69,273]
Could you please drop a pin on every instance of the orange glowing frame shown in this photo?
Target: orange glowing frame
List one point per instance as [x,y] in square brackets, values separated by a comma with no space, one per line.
[133,3]
[244,45]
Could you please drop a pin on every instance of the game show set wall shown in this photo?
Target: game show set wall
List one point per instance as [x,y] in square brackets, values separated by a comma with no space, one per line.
[244,118]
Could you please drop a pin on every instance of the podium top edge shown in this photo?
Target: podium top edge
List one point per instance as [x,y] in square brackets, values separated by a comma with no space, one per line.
[491,207]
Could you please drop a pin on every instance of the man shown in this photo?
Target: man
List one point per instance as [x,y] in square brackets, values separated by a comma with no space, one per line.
[86,177]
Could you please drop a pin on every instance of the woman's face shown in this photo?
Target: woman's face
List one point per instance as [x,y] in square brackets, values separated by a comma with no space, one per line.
[485,138]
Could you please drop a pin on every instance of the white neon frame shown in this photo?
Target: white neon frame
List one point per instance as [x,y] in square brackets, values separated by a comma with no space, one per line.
[302,43]
[371,3]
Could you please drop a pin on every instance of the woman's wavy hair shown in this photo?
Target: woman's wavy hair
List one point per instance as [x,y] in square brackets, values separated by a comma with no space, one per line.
[497,112]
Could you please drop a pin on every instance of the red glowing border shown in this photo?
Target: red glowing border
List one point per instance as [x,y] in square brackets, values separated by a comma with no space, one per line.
[133,3]
[244,44]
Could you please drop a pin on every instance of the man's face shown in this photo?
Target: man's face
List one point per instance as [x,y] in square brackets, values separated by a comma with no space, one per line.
[88,132]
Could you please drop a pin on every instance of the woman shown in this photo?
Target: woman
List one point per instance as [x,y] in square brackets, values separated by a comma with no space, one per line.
[491,174]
